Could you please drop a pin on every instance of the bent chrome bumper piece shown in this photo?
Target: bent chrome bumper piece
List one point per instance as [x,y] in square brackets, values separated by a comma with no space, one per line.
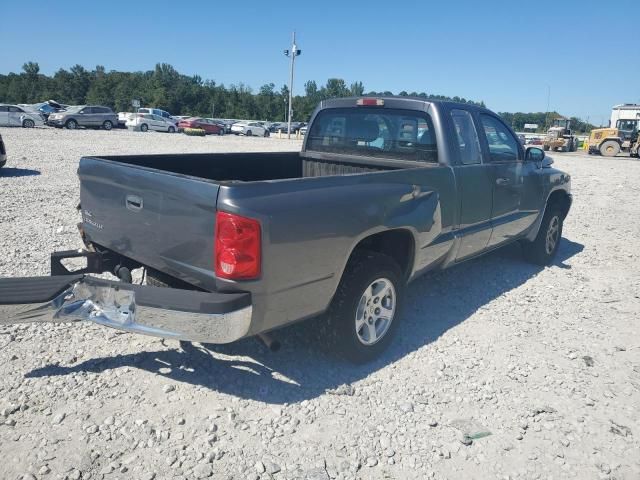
[160,312]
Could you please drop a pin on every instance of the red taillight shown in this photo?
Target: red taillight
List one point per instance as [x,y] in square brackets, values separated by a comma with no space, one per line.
[370,102]
[237,254]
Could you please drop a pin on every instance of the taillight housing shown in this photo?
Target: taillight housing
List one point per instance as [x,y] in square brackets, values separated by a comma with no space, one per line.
[238,247]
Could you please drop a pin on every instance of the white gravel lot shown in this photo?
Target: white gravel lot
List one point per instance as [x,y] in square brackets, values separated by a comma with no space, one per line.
[545,360]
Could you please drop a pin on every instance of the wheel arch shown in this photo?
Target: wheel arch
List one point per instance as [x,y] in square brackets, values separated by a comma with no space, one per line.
[560,197]
[398,243]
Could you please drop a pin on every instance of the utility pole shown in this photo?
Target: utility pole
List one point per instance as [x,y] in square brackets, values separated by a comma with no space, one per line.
[548,106]
[293,53]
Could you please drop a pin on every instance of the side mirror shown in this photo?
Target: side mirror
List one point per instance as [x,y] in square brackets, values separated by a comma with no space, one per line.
[534,154]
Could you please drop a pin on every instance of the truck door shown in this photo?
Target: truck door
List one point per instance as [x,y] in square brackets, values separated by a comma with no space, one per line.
[475,187]
[506,158]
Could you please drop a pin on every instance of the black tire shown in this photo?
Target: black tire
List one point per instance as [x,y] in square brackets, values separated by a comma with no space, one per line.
[610,148]
[540,251]
[171,130]
[221,132]
[248,134]
[144,127]
[545,148]
[107,125]
[28,123]
[266,133]
[71,124]
[365,270]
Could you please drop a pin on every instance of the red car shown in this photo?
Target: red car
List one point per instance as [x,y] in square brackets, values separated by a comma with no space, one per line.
[206,124]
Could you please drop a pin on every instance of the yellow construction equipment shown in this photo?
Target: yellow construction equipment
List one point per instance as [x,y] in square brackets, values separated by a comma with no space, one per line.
[559,136]
[620,136]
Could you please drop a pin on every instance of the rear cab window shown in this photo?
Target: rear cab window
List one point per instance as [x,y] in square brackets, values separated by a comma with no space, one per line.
[374,132]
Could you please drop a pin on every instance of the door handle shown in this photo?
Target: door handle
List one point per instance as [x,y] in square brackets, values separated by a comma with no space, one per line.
[134,203]
[502,181]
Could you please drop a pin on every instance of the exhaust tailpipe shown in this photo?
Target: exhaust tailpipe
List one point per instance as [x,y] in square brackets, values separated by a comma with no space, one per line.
[270,342]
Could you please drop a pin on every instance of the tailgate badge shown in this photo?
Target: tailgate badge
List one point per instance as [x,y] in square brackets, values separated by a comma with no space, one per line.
[87,217]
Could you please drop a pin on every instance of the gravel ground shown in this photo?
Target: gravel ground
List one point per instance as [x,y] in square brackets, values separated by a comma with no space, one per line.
[500,370]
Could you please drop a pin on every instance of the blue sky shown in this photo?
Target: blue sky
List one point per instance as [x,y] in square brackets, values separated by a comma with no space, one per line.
[506,53]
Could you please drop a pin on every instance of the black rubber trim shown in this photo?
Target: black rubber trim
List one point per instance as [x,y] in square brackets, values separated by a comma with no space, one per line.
[180,300]
[26,290]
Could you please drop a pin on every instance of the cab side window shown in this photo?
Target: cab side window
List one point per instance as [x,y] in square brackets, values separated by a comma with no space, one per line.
[503,146]
[467,136]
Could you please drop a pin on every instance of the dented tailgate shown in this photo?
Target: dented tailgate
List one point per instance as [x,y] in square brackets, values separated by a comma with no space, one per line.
[160,219]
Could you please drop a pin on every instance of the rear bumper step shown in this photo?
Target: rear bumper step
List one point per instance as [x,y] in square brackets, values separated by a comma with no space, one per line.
[160,312]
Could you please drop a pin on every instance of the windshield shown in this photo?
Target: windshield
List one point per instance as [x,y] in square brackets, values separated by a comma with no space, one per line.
[374,132]
[75,108]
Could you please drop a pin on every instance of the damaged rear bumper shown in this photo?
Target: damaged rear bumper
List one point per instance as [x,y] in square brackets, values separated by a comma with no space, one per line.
[161,312]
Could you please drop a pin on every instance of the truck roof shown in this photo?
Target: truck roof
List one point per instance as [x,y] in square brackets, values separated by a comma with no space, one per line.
[398,102]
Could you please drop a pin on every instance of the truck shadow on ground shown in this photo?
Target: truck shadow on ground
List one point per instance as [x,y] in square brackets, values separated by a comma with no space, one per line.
[18,172]
[301,369]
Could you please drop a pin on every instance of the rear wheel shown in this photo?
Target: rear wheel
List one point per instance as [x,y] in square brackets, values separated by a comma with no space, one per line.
[248,134]
[221,132]
[144,127]
[266,133]
[610,148]
[28,123]
[71,124]
[545,246]
[363,315]
[171,130]
[107,125]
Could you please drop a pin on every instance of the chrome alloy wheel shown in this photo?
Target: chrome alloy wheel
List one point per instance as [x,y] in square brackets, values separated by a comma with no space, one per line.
[553,232]
[375,311]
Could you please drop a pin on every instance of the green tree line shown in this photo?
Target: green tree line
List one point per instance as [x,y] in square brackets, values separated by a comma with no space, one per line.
[543,120]
[166,88]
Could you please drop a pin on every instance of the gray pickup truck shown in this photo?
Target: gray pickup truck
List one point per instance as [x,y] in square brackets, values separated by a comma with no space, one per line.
[235,245]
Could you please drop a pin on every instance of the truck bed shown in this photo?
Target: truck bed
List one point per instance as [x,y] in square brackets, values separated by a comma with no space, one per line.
[245,167]
[160,210]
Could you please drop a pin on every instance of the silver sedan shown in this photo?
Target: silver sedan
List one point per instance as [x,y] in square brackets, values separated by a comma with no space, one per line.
[16,116]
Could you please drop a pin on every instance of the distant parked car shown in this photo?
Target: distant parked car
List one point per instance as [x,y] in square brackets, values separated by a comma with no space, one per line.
[157,111]
[206,124]
[15,116]
[90,116]
[535,141]
[274,127]
[3,153]
[148,121]
[303,130]
[49,107]
[249,129]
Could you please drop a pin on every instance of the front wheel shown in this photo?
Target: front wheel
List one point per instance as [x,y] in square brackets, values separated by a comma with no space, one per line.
[144,127]
[363,315]
[248,134]
[545,148]
[28,123]
[545,246]
[221,132]
[71,124]
[171,130]
[266,133]
[610,148]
